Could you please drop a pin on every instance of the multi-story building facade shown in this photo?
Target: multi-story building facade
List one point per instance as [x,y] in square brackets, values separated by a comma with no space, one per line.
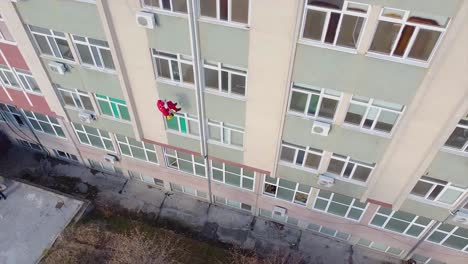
[347,118]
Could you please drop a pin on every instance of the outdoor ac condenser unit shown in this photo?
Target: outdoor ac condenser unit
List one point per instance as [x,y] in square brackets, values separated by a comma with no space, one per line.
[145,19]
[326,181]
[320,128]
[57,67]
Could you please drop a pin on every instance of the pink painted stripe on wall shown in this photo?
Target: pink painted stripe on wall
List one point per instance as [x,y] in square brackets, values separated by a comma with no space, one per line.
[40,105]
[14,57]
[19,100]
[3,96]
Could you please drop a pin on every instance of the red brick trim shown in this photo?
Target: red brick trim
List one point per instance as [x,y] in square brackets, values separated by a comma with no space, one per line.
[379,203]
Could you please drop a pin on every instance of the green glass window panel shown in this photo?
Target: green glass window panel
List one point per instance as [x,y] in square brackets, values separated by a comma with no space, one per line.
[364,242]
[265,213]
[134,142]
[423,220]
[414,231]
[47,128]
[456,242]
[327,231]
[53,120]
[313,227]
[138,153]
[83,138]
[303,188]
[324,194]
[152,156]
[320,204]
[450,196]
[232,179]
[249,173]
[378,220]
[101,96]
[173,124]
[184,156]
[247,183]
[95,141]
[292,221]
[342,235]
[404,216]
[436,237]
[78,127]
[108,144]
[379,246]
[124,112]
[35,124]
[125,149]
[198,159]
[342,199]
[200,170]
[233,169]
[28,114]
[419,258]
[313,104]
[396,225]
[354,214]
[385,211]
[337,209]
[298,101]
[285,194]
[461,232]
[172,162]
[218,175]
[359,204]
[183,125]
[394,251]
[115,110]
[149,146]
[91,130]
[105,108]
[186,166]
[287,184]
[120,138]
[41,117]
[59,131]
[446,227]
[117,100]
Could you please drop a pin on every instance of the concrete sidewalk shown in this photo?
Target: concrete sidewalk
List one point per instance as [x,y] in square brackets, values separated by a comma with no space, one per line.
[208,220]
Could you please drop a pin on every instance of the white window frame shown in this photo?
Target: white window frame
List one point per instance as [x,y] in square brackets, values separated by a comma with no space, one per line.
[144,178]
[101,137]
[241,175]
[187,117]
[220,67]
[29,145]
[463,150]
[53,36]
[447,186]
[162,10]
[389,217]
[90,45]
[447,236]
[350,206]
[369,105]
[4,69]
[328,12]
[356,163]
[320,230]
[386,250]
[129,145]
[94,165]
[180,59]
[176,156]
[49,121]
[76,95]
[404,22]
[286,219]
[66,156]
[229,18]
[307,150]
[9,114]
[108,100]
[230,203]
[196,193]
[228,129]
[295,191]
[309,92]
[26,84]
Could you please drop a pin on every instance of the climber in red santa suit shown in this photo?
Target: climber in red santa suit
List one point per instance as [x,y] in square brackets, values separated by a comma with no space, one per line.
[167,108]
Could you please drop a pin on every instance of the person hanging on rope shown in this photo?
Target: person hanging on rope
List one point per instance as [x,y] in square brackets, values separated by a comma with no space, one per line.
[167,108]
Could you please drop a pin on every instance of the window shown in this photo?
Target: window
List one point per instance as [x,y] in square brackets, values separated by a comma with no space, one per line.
[44,123]
[328,231]
[380,246]
[65,155]
[232,175]
[306,157]
[173,67]
[225,79]
[276,217]
[27,81]
[408,36]
[105,167]
[314,103]
[76,98]
[372,114]
[236,11]
[51,42]
[450,236]
[179,6]
[93,137]
[225,133]
[5,34]
[339,205]
[189,191]
[136,149]
[8,78]
[11,114]
[113,107]
[94,52]
[437,190]
[349,169]
[286,190]
[400,222]
[420,259]
[183,123]
[144,178]
[335,23]
[30,145]
[185,162]
[232,203]
[458,140]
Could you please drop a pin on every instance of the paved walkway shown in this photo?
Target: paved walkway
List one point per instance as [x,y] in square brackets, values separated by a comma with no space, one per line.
[208,220]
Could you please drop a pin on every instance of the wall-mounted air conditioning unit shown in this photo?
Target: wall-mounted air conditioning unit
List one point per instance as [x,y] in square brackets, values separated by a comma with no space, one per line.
[461,217]
[279,211]
[320,128]
[326,181]
[110,158]
[145,19]
[57,67]
[86,117]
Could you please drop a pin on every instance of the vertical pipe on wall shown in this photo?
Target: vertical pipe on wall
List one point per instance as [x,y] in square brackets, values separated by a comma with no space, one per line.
[199,85]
